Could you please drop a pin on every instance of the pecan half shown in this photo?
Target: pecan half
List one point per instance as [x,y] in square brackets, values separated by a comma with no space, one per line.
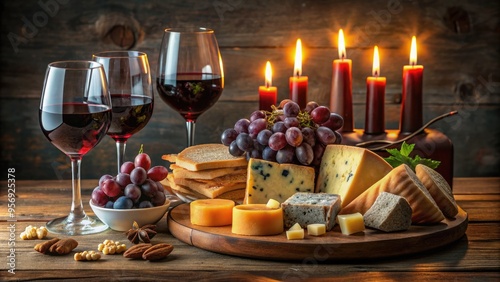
[135,252]
[45,246]
[158,251]
[63,246]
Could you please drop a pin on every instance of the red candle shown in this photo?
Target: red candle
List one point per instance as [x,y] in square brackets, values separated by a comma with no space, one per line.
[341,91]
[375,99]
[267,94]
[411,102]
[298,83]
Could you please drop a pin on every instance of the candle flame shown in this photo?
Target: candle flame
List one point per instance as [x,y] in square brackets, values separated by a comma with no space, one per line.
[269,75]
[413,51]
[297,70]
[376,62]
[342,52]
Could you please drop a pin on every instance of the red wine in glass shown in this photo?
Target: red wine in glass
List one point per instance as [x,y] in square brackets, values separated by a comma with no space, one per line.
[130,114]
[74,128]
[190,94]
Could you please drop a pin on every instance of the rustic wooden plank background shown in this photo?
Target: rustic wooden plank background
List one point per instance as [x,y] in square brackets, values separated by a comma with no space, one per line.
[459,46]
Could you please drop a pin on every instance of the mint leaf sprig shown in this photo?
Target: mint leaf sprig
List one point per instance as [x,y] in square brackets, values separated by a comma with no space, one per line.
[402,156]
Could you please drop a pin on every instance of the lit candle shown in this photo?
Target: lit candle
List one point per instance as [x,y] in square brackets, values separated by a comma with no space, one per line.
[298,83]
[375,98]
[267,93]
[411,101]
[341,91]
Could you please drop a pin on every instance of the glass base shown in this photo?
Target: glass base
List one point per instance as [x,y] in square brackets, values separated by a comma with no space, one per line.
[87,225]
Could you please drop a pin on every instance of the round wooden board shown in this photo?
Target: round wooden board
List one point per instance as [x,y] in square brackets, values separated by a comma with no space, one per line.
[331,246]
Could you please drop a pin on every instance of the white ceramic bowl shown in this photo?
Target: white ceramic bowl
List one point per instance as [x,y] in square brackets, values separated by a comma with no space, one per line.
[122,219]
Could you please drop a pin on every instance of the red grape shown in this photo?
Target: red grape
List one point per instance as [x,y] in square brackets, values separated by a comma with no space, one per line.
[325,135]
[244,142]
[157,173]
[142,160]
[104,178]
[279,126]
[263,137]
[293,136]
[320,114]
[149,188]
[285,155]
[133,192]
[111,188]
[304,153]
[291,122]
[138,175]
[257,126]
[309,136]
[123,179]
[311,106]
[158,199]
[99,198]
[277,141]
[228,136]
[127,167]
[241,126]
[256,115]
[234,150]
[269,154]
[291,109]
[334,122]
[283,103]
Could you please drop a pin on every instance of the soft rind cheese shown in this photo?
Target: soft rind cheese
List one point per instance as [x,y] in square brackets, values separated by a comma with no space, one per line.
[270,180]
[257,219]
[389,213]
[351,223]
[316,229]
[211,212]
[309,208]
[348,171]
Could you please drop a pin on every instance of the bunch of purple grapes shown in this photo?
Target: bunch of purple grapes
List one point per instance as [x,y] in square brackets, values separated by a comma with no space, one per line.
[136,186]
[285,135]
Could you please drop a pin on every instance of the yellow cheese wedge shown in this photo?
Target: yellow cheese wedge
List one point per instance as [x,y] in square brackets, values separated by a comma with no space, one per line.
[316,229]
[257,219]
[211,212]
[348,171]
[351,223]
[273,204]
[296,234]
[296,226]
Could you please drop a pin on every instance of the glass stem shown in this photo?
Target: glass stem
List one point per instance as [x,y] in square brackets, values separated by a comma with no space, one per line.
[77,213]
[120,152]
[190,133]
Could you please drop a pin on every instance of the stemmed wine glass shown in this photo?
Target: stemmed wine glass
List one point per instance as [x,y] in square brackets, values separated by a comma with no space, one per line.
[190,73]
[74,114]
[129,82]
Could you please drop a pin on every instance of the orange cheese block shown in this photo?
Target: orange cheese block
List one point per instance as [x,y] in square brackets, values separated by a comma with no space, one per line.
[211,212]
[257,219]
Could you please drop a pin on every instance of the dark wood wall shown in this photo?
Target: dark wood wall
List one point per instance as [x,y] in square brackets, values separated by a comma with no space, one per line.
[459,46]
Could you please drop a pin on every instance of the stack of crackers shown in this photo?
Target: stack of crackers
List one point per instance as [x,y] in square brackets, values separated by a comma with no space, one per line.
[207,171]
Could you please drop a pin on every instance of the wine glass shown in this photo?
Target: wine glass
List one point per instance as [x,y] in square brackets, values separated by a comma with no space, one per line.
[190,73]
[129,83]
[74,114]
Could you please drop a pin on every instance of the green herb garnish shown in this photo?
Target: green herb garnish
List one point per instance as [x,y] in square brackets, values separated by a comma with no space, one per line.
[402,156]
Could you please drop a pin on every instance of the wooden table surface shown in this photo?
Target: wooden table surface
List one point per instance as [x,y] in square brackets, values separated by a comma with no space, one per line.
[476,256]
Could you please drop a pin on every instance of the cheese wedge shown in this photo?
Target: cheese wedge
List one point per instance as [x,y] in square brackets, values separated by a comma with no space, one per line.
[211,212]
[348,171]
[206,156]
[316,229]
[270,180]
[296,234]
[257,219]
[400,181]
[389,213]
[439,189]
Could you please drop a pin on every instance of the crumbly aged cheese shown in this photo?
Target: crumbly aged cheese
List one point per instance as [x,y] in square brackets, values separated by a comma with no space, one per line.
[295,234]
[438,188]
[404,182]
[316,229]
[348,171]
[211,212]
[257,219]
[308,208]
[389,213]
[351,223]
[270,180]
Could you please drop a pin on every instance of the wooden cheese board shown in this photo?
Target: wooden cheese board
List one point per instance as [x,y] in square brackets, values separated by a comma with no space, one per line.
[332,246]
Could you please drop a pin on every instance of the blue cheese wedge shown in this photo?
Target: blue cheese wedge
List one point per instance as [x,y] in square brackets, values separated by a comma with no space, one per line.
[311,208]
[389,213]
[270,180]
